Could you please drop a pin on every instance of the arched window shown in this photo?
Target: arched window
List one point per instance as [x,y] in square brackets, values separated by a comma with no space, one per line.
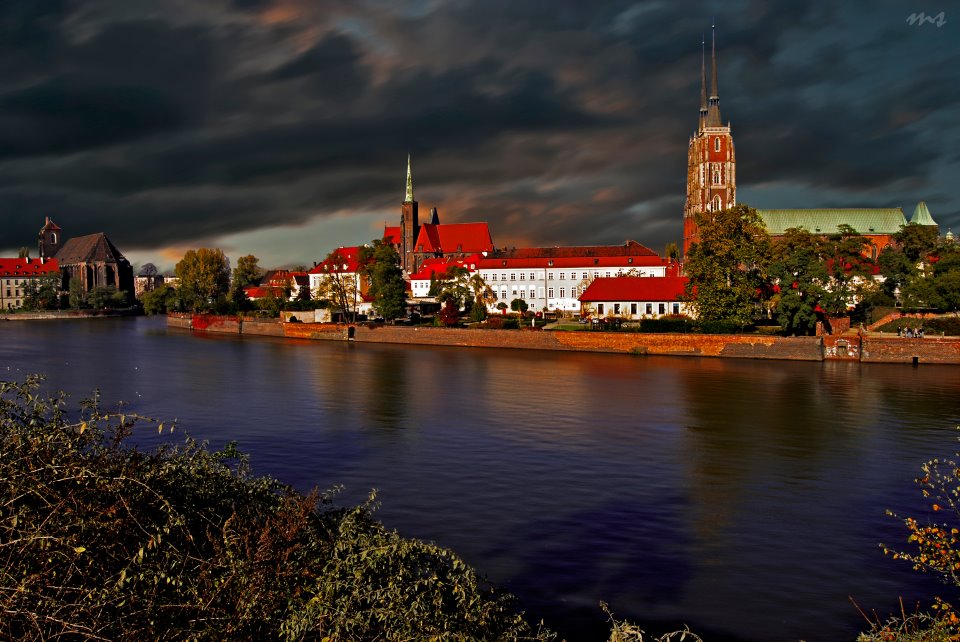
[716,144]
[716,177]
[717,203]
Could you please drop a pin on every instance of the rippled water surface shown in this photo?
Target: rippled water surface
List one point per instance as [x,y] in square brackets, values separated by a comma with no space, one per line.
[745,498]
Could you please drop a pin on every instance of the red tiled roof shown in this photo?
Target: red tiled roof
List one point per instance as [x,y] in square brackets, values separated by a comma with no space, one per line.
[281,277]
[454,237]
[629,248]
[27,267]
[392,234]
[632,288]
[439,266]
[490,263]
[347,262]
[254,292]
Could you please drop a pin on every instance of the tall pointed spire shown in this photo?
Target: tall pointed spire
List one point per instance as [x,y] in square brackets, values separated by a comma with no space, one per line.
[409,198]
[703,82]
[713,111]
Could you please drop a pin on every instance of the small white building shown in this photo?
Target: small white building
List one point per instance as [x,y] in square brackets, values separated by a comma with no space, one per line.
[629,297]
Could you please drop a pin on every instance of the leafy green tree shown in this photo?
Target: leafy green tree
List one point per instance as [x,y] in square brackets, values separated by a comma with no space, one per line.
[799,269]
[247,272]
[728,266]
[482,297]
[338,286]
[905,262]
[454,287]
[381,266]
[106,296]
[75,295]
[161,299]
[42,293]
[519,306]
[204,277]
[672,251]
[937,284]
[851,273]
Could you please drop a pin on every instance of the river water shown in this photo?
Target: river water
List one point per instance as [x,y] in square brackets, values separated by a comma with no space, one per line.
[745,498]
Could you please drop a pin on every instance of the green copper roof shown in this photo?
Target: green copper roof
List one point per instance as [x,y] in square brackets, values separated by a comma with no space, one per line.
[886,220]
[921,215]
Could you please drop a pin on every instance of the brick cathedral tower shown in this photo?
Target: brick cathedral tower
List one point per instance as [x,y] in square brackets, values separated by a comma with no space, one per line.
[409,226]
[711,163]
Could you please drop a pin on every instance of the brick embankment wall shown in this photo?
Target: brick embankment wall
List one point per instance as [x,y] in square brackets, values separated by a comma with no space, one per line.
[699,345]
[749,347]
[69,314]
[903,350]
[225,324]
[842,348]
[320,331]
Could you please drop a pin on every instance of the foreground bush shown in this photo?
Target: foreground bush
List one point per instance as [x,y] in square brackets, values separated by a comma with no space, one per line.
[934,540]
[99,540]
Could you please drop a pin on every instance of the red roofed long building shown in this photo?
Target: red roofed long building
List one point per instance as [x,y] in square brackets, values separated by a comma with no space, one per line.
[17,275]
[553,278]
[630,297]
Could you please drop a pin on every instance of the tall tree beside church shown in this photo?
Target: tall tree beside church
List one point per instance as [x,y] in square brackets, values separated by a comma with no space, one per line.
[851,273]
[204,276]
[799,269]
[728,266]
[381,265]
[904,263]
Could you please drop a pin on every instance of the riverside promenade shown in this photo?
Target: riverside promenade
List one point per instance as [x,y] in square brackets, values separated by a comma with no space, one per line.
[850,346]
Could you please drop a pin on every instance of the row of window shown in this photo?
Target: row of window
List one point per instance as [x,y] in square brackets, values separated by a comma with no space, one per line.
[648,308]
[521,293]
[550,275]
[15,281]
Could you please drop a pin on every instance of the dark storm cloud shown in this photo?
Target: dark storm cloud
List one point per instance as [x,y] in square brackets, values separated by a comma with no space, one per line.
[131,81]
[557,122]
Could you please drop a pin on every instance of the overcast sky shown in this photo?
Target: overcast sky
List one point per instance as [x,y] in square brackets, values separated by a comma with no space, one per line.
[281,127]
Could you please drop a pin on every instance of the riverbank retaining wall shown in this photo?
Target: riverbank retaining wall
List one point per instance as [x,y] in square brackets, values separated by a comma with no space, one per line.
[42,315]
[694,345]
[945,350]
